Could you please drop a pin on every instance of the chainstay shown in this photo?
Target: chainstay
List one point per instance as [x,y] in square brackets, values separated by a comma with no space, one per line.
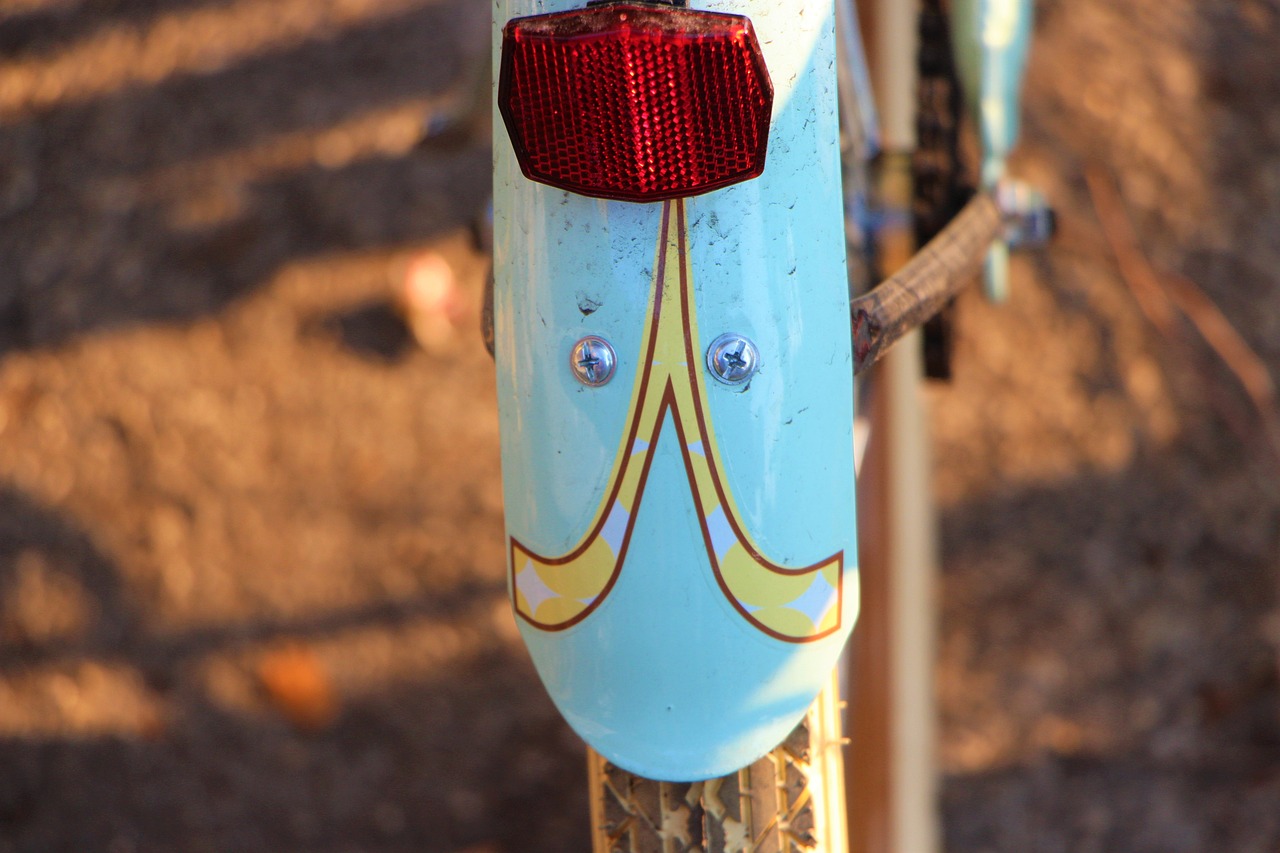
[919,290]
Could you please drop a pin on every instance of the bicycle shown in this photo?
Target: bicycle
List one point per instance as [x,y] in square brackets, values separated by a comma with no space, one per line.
[583,447]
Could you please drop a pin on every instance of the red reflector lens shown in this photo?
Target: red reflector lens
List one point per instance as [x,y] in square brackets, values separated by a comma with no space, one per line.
[635,102]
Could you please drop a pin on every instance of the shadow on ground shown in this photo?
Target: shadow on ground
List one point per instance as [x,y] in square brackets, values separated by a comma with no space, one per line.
[167,201]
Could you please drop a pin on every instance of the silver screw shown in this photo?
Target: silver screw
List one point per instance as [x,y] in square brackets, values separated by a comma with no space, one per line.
[593,361]
[733,359]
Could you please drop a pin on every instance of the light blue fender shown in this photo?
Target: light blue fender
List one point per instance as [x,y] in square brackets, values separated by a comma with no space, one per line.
[991,40]
[682,552]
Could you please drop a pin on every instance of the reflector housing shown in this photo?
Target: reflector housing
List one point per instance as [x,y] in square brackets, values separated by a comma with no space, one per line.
[635,102]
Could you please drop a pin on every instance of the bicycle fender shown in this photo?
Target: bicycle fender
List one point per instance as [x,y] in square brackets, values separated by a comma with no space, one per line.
[682,551]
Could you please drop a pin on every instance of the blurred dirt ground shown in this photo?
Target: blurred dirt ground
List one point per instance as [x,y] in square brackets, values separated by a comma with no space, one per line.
[251,567]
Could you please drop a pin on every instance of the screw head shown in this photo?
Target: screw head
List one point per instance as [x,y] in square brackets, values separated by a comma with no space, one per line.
[593,361]
[733,358]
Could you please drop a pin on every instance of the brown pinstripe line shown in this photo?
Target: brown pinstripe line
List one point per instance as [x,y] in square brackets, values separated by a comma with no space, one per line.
[641,398]
[709,456]
[715,561]
[669,405]
[668,397]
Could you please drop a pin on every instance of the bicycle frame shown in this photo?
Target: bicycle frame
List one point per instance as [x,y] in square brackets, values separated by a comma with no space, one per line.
[682,550]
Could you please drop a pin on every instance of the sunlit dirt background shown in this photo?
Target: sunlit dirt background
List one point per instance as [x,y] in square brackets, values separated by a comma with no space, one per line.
[251,564]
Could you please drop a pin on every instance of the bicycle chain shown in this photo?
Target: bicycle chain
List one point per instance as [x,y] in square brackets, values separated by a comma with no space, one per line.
[940,184]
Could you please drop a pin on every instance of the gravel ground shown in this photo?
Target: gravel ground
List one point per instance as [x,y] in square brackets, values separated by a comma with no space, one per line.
[251,586]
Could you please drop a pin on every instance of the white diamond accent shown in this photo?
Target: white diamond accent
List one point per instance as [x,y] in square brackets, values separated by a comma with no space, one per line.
[817,600]
[533,588]
[615,527]
[722,537]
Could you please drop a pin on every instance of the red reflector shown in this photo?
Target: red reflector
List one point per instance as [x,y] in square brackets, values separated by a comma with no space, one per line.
[635,102]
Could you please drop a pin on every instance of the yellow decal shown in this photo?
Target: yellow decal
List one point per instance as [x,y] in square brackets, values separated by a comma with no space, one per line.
[553,593]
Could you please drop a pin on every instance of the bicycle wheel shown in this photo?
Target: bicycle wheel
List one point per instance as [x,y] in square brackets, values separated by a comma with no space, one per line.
[790,801]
